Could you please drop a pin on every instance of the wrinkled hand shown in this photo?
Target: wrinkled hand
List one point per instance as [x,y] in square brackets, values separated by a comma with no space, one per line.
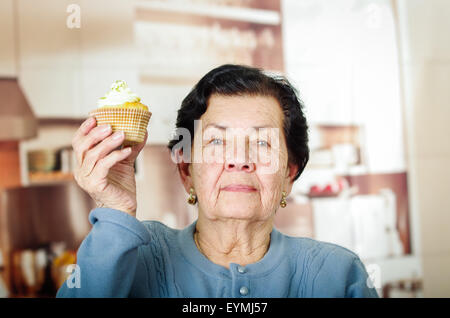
[103,171]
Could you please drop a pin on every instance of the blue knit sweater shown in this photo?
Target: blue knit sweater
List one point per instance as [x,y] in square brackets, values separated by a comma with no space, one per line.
[124,257]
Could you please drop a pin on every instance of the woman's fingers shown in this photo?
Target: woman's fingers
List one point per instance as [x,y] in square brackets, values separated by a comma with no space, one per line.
[85,143]
[84,129]
[136,149]
[93,144]
[102,167]
[81,132]
[100,151]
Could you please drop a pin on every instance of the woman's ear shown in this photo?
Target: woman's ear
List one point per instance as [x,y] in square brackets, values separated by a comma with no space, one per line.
[184,171]
[291,171]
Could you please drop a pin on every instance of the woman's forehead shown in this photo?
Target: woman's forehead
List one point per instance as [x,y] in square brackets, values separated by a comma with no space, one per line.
[243,112]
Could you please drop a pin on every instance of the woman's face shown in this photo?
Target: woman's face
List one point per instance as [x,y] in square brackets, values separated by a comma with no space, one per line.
[240,158]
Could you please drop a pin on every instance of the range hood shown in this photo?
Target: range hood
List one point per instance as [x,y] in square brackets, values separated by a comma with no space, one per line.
[17,120]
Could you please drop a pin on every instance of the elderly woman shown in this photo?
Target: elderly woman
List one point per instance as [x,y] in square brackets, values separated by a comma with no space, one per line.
[232,249]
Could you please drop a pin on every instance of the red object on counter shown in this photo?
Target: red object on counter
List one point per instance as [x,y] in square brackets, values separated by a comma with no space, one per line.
[314,190]
[328,190]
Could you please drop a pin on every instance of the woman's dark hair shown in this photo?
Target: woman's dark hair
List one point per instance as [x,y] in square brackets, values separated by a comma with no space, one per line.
[243,80]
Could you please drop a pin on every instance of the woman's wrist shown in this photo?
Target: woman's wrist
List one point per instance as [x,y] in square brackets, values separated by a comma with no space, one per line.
[124,209]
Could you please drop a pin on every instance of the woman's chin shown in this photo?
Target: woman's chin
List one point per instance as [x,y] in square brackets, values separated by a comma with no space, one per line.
[239,210]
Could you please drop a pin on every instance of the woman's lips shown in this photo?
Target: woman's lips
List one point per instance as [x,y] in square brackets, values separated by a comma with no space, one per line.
[239,188]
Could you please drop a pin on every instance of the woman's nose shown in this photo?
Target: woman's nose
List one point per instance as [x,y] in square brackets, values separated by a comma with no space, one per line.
[238,157]
[231,166]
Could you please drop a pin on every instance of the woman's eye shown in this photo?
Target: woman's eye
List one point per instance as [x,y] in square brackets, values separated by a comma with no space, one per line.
[262,143]
[216,141]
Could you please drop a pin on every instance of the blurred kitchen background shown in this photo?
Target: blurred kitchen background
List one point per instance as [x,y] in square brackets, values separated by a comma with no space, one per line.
[373,74]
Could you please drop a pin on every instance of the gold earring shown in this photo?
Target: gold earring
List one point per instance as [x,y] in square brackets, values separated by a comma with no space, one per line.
[283,202]
[192,197]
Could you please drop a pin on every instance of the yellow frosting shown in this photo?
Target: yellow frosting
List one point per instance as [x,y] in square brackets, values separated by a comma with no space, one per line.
[134,105]
[121,96]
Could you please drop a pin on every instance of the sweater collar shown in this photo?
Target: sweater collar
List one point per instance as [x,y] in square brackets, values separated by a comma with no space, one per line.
[191,253]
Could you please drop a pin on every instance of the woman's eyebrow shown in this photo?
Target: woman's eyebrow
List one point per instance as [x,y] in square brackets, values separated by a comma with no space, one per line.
[216,126]
[221,127]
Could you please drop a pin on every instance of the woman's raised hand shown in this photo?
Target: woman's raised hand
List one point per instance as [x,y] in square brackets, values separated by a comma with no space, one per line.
[103,171]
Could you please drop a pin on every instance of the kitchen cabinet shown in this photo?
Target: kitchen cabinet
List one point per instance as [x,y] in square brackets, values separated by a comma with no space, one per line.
[9,163]
[48,158]
[65,70]
[49,57]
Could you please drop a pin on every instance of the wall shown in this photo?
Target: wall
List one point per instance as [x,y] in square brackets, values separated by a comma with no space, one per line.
[424,33]
[7,52]
[342,56]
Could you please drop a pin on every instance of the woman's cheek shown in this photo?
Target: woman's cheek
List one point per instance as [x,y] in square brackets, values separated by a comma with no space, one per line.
[270,190]
[207,179]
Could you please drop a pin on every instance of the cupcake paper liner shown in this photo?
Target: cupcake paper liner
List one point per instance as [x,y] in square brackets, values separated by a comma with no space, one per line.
[132,121]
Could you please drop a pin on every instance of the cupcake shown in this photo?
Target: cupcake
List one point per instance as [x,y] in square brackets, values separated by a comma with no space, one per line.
[124,111]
